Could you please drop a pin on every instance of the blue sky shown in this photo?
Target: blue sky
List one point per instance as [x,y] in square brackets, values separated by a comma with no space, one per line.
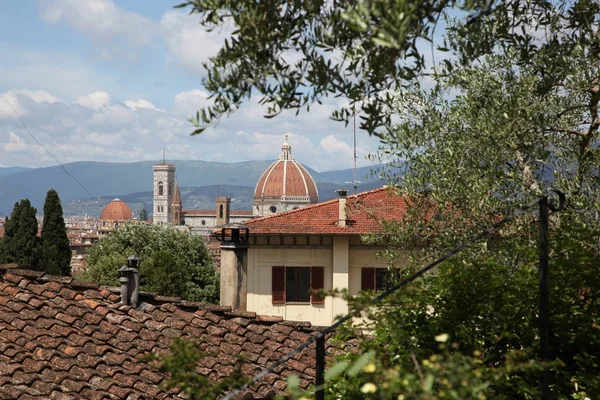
[115,80]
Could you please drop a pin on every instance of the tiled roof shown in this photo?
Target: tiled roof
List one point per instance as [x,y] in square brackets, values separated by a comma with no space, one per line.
[364,212]
[116,210]
[66,339]
[286,178]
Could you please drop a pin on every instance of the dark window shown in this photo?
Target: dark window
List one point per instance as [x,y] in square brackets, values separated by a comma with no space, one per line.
[273,209]
[160,188]
[221,211]
[377,279]
[203,222]
[382,279]
[293,284]
[297,284]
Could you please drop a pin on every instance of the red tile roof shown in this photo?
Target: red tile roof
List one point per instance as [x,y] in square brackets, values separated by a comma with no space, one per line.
[116,210]
[364,212]
[68,339]
[286,178]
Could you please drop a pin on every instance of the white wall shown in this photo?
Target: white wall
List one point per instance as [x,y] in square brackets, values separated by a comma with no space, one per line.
[264,253]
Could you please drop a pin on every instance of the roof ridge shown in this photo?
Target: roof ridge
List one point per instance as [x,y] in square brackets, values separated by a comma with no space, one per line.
[69,282]
[313,206]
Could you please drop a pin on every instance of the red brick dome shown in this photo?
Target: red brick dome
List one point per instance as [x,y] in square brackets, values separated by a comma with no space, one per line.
[286,178]
[116,210]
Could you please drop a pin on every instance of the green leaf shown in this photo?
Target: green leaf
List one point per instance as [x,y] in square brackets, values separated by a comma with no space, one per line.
[428,384]
[360,363]
[336,370]
[293,382]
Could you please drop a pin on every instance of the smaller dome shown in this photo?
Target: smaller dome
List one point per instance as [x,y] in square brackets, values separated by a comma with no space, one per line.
[116,210]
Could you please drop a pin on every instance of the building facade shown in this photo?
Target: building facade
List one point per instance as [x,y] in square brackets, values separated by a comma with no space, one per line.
[313,248]
[203,222]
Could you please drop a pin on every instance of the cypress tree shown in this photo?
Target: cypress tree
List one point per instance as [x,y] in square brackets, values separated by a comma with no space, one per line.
[143,214]
[56,253]
[21,245]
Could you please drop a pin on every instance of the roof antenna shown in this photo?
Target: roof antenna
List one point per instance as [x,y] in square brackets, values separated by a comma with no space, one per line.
[164,159]
[354,181]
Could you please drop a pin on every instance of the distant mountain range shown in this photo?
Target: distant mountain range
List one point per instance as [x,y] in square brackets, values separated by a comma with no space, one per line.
[200,183]
[4,171]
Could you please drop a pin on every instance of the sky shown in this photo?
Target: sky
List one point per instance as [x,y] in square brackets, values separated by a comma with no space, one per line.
[116,80]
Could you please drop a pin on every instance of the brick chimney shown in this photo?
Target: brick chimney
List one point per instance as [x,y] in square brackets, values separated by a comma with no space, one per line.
[234,266]
[342,215]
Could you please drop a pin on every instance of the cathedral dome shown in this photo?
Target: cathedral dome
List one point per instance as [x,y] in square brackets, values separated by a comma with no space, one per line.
[286,180]
[116,210]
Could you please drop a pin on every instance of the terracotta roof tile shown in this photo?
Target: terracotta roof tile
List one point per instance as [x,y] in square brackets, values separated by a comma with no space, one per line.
[364,214]
[66,341]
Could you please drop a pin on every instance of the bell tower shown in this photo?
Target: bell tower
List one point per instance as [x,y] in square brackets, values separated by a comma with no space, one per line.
[164,180]
[176,218]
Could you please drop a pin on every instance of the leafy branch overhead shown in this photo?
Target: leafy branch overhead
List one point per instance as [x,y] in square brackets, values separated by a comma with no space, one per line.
[293,54]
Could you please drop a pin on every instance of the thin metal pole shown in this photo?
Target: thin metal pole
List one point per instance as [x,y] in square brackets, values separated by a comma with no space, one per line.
[320,367]
[544,296]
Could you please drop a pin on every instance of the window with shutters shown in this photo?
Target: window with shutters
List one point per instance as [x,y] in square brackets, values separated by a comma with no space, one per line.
[293,284]
[377,279]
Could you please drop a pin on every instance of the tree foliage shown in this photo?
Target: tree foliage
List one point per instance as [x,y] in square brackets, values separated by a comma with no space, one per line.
[174,263]
[143,214]
[294,54]
[509,110]
[55,255]
[20,243]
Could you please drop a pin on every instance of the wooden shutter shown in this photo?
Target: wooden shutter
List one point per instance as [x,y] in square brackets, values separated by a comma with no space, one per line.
[367,279]
[317,283]
[278,285]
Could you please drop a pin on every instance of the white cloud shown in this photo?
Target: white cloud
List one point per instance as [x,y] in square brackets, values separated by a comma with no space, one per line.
[95,100]
[330,144]
[141,104]
[15,102]
[15,144]
[60,73]
[100,19]
[93,127]
[189,102]
[188,42]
